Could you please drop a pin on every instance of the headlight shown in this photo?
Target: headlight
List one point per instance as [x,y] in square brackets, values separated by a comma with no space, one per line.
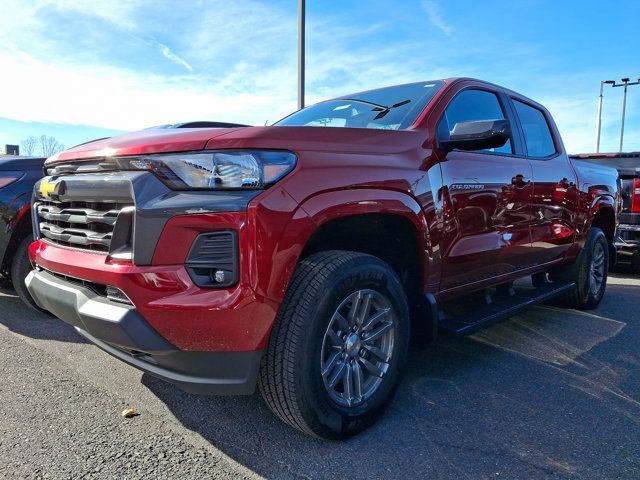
[222,169]
[8,177]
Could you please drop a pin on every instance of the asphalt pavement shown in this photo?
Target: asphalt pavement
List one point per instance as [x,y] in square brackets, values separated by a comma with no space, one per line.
[552,393]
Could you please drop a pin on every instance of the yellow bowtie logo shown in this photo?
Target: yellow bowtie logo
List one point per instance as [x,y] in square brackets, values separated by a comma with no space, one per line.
[46,188]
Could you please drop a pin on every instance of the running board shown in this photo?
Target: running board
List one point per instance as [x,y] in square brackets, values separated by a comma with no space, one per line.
[484,315]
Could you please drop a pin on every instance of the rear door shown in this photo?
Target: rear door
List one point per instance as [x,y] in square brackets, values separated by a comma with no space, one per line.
[555,192]
[488,196]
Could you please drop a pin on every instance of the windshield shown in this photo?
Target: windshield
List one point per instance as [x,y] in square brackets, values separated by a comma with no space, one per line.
[391,108]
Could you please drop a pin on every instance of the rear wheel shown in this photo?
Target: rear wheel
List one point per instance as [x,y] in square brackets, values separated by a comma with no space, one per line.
[338,345]
[20,268]
[589,273]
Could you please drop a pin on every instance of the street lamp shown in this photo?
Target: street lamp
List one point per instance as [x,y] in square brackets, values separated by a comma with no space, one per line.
[599,122]
[301,32]
[625,83]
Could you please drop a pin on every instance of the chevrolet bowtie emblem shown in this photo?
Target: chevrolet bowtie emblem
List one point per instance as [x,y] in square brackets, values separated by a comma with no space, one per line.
[47,188]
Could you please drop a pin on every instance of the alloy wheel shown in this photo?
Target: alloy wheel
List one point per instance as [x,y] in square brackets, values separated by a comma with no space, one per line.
[358,347]
[597,269]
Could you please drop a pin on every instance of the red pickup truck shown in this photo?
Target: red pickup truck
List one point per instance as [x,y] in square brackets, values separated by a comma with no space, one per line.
[299,256]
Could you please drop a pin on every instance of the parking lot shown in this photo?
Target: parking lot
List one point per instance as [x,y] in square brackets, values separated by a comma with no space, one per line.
[549,394]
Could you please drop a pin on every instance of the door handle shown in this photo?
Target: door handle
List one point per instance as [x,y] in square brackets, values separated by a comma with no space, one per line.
[519,181]
[565,183]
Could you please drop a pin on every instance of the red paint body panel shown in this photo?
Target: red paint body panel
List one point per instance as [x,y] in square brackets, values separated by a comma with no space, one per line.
[475,227]
[189,317]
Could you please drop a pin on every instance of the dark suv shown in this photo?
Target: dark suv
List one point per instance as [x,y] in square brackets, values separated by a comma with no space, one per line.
[17,177]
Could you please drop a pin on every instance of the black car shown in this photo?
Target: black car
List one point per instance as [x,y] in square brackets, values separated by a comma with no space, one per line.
[17,178]
[628,166]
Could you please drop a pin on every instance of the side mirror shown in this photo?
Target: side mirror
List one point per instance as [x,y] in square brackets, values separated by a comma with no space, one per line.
[477,135]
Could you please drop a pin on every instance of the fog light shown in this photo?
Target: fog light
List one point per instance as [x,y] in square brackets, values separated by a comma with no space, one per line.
[116,295]
[219,276]
[213,259]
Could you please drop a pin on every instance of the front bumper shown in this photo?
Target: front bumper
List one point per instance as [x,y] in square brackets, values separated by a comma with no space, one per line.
[186,316]
[121,331]
[628,240]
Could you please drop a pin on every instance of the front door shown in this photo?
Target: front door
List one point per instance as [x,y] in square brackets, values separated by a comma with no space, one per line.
[488,199]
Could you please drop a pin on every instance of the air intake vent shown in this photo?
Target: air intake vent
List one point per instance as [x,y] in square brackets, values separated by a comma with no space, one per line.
[213,260]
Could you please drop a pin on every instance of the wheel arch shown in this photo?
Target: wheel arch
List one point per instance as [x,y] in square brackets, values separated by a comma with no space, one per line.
[391,226]
[603,216]
[605,219]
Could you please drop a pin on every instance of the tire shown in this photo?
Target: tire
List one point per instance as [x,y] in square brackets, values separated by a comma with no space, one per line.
[20,268]
[590,287]
[309,335]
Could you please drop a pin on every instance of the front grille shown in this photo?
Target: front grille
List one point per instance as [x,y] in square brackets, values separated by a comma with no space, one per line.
[84,225]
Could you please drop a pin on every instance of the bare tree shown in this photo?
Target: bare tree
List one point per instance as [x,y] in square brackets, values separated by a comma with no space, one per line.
[28,146]
[49,146]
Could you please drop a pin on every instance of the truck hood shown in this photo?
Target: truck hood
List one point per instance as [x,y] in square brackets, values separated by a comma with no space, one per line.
[143,142]
[326,139]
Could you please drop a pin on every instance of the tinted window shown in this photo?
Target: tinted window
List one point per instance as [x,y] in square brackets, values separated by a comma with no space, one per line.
[470,105]
[390,108]
[537,135]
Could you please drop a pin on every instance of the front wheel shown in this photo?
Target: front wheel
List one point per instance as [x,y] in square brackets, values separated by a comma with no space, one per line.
[338,346]
[589,272]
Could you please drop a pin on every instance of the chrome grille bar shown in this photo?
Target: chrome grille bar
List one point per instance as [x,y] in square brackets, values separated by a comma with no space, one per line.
[78,215]
[77,236]
[84,225]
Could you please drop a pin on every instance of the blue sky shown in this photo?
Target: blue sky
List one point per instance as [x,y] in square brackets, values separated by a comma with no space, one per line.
[79,69]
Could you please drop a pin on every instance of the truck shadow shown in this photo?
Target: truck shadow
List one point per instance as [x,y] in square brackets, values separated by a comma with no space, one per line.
[22,320]
[504,400]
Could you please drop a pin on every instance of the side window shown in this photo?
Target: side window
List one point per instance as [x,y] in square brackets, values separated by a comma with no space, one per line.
[537,135]
[470,105]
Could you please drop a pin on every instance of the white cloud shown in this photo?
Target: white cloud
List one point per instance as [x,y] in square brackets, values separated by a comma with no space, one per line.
[114,98]
[239,61]
[64,83]
[240,68]
[434,13]
[167,53]
[119,13]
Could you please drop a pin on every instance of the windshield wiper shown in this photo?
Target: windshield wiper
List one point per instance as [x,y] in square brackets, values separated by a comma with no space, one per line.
[383,109]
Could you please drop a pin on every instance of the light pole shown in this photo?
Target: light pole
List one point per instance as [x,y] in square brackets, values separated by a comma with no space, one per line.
[625,83]
[301,32]
[599,118]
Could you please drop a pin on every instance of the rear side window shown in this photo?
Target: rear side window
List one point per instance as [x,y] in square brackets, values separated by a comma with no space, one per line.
[471,105]
[537,135]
